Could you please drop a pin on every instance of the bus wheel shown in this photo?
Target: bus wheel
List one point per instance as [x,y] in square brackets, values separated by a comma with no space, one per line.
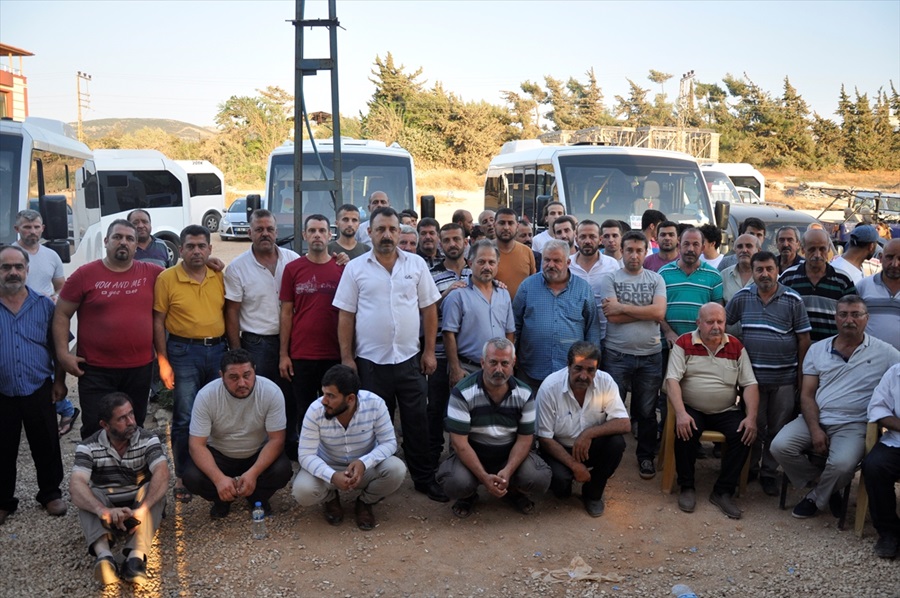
[211,222]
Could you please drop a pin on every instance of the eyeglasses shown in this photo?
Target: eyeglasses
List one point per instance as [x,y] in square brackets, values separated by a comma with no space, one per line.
[852,314]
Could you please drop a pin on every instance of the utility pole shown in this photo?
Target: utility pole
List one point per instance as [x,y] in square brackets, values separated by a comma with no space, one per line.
[84,99]
[685,88]
[306,67]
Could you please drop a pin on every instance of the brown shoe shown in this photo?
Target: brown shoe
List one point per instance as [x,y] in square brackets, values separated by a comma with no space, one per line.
[334,512]
[365,518]
[56,507]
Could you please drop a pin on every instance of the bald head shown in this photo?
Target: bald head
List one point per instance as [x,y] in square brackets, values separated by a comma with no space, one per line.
[711,324]
[813,235]
[378,199]
[890,261]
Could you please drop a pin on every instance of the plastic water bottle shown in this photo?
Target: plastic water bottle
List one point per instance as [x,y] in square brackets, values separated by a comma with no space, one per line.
[258,526]
[682,591]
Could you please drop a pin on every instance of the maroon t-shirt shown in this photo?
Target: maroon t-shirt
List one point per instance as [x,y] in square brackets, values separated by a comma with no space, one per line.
[115,315]
[311,288]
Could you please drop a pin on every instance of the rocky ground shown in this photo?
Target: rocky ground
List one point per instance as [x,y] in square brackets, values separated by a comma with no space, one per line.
[641,546]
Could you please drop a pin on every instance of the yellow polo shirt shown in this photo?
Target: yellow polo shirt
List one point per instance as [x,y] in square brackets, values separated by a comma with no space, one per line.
[193,310]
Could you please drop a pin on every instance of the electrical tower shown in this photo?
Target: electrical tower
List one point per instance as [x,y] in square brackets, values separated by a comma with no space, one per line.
[685,89]
[305,67]
[84,99]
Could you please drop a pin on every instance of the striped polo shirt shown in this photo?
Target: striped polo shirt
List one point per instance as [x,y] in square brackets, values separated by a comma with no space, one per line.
[821,298]
[770,331]
[120,474]
[687,293]
[472,413]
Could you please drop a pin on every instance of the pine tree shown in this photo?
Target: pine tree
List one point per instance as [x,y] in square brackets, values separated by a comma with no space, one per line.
[859,132]
[635,110]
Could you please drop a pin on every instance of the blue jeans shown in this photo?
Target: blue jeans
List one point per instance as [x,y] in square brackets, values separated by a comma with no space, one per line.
[643,374]
[194,367]
[264,350]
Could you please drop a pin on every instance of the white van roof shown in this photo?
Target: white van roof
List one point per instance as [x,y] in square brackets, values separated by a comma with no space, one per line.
[533,150]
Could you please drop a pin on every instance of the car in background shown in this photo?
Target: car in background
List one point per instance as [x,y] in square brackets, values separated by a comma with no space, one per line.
[720,186]
[774,219]
[234,225]
[748,195]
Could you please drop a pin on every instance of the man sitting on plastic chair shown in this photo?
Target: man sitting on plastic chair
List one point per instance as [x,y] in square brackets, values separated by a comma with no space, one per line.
[839,376]
[706,367]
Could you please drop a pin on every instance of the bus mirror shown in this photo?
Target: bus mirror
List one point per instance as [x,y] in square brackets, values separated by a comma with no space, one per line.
[253,204]
[61,247]
[427,203]
[53,211]
[542,201]
[723,210]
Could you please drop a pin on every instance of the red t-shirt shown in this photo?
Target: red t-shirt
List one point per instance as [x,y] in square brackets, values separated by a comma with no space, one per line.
[115,315]
[311,288]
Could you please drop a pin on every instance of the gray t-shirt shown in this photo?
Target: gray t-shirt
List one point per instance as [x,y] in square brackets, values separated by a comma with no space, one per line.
[635,338]
[43,267]
[238,427]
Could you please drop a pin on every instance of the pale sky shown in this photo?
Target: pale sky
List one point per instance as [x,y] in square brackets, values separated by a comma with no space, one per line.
[180,60]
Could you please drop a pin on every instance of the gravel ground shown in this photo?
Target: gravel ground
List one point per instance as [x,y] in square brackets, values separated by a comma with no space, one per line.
[420,549]
[642,542]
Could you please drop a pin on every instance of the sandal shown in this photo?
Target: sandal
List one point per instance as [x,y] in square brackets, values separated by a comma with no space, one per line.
[522,503]
[182,494]
[67,423]
[463,507]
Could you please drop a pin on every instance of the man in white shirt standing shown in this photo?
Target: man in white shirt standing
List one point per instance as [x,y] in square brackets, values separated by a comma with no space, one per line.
[252,311]
[856,261]
[381,296]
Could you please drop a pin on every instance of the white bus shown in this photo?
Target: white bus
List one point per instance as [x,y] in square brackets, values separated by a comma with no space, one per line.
[38,158]
[367,166]
[207,188]
[597,182]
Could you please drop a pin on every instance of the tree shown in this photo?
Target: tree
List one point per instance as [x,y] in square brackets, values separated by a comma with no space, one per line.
[884,135]
[635,109]
[590,108]
[827,136]
[393,87]
[858,130]
[564,113]
[522,111]
[659,78]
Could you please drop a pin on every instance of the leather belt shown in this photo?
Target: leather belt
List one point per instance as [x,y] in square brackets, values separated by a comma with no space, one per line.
[209,341]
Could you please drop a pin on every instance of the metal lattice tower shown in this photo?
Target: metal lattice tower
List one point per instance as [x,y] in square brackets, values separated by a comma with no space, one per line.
[305,67]
[84,99]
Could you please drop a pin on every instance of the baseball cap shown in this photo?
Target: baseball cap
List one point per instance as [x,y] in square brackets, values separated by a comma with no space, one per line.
[864,233]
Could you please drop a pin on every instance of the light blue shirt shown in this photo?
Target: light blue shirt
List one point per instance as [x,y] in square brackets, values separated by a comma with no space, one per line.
[475,320]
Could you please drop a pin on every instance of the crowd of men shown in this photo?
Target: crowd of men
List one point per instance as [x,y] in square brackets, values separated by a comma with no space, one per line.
[524,355]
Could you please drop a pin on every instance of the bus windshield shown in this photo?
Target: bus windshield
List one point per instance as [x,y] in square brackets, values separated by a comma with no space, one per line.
[363,173]
[622,187]
[10,175]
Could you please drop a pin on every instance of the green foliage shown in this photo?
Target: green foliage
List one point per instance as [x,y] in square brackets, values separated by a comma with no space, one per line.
[442,130]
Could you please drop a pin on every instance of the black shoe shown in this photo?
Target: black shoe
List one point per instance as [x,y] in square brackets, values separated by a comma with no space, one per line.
[365,518]
[594,507]
[433,491]
[687,500]
[135,570]
[836,504]
[770,486]
[887,547]
[219,510]
[725,504]
[648,471]
[805,509]
[334,512]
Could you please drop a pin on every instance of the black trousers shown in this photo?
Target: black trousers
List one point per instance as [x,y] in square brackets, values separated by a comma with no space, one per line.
[306,385]
[604,457]
[881,470]
[37,414]
[438,398]
[733,459]
[268,483]
[403,384]
[98,382]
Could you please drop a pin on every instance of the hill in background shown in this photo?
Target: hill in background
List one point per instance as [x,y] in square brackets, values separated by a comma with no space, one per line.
[122,126]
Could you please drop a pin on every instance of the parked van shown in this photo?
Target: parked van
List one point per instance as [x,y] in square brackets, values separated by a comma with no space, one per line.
[743,175]
[207,189]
